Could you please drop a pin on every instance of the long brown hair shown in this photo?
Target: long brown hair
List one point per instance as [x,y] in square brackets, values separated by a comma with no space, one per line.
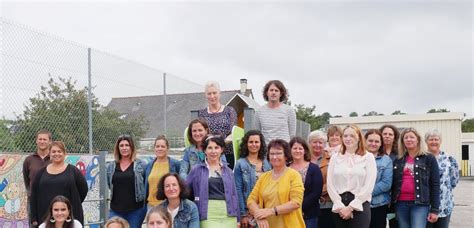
[129,139]
[380,152]
[49,215]
[396,136]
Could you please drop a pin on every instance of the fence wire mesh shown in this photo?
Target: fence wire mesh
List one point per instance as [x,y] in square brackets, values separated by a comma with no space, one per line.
[45,85]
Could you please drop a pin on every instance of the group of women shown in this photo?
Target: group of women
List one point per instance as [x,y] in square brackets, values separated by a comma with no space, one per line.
[341,178]
[338,179]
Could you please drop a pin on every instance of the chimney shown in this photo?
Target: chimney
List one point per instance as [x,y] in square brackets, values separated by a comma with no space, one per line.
[243,85]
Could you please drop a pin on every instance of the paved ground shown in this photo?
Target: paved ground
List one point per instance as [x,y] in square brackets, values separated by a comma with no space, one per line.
[463,213]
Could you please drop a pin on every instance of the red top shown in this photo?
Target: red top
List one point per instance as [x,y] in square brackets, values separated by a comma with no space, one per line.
[407,191]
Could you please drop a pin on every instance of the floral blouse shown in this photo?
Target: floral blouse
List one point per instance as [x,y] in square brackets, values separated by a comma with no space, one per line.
[449,178]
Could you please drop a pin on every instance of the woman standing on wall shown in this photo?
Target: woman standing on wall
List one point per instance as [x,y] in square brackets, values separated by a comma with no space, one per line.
[221,118]
[126,180]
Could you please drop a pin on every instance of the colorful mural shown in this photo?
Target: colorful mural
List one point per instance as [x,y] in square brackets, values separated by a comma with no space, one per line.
[13,196]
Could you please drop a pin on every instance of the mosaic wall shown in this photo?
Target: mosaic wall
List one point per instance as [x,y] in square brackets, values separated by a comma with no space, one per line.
[13,196]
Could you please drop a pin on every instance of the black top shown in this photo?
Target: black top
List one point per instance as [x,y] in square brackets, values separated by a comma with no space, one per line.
[216,188]
[123,197]
[70,183]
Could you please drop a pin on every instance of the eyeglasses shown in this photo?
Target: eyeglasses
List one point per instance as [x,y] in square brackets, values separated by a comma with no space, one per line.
[275,154]
[124,136]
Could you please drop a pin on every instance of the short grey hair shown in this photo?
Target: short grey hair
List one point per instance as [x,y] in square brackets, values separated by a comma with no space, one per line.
[212,84]
[318,134]
[432,133]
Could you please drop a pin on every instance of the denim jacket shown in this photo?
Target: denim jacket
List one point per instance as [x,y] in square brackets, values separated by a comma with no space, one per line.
[187,217]
[198,183]
[427,187]
[383,183]
[191,158]
[138,169]
[449,174]
[245,179]
[174,168]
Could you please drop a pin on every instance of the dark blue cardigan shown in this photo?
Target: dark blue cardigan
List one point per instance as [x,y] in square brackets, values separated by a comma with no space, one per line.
[313,186]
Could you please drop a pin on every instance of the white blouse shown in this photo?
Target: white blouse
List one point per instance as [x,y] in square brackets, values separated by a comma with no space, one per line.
[351,173]
[77,224]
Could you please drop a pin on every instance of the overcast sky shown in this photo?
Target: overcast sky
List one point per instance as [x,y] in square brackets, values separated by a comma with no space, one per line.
[340,56]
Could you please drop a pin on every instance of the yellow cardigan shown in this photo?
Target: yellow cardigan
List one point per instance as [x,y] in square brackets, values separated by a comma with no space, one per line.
[290,188]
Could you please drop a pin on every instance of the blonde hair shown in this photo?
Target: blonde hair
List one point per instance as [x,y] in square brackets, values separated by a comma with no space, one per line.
[165,215]
[402,151]
[118,220]
[210,84]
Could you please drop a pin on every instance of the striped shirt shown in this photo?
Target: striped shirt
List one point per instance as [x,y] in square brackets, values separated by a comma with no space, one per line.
[276,123]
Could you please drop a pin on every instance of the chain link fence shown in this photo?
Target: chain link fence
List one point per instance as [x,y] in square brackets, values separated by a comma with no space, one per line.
[84,96]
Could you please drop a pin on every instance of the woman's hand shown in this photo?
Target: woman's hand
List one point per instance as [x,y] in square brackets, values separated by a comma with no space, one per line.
[346,213]
[244,222]
[228,139]
[263,213]
[262,223]
[432,217]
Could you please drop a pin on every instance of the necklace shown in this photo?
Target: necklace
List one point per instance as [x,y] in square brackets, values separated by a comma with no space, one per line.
[212,112]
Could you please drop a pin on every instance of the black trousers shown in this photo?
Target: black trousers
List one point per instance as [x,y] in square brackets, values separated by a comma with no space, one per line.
[361,219]
[325,218]
[378,217]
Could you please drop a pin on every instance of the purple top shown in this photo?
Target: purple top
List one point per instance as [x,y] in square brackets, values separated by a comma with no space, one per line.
[220,123]
[198,183]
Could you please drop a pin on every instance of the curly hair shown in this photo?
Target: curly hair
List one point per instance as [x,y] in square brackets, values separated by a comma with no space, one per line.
[183,190]
[283,91]
[244,149]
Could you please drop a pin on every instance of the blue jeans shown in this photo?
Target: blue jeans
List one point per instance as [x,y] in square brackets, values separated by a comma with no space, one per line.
[410,215]
[311,223]
[134,218]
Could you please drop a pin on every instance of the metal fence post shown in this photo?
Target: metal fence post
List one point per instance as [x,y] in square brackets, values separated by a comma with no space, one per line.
[103,189]
[89,98]
[164,106]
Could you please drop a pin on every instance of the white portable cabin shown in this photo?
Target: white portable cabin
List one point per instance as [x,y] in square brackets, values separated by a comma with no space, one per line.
[449,124]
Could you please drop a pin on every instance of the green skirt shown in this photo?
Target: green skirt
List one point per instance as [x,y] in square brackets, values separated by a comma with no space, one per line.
[217,216]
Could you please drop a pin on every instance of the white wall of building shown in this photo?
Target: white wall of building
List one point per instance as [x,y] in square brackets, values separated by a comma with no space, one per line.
[449,124]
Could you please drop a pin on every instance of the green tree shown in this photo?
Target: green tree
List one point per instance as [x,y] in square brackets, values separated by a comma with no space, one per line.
[398,112]
[373,113]
[438,110]
[7,143]
[353,114]
[308,115]
[468,125]
[63,109]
